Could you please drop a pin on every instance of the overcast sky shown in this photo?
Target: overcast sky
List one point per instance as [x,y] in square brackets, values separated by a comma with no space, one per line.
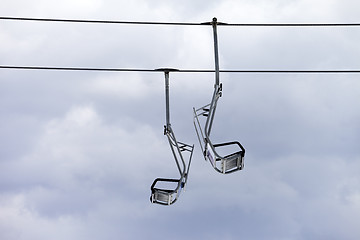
[79,150]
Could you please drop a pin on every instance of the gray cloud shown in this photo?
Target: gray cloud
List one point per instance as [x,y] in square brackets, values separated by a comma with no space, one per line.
[80,150]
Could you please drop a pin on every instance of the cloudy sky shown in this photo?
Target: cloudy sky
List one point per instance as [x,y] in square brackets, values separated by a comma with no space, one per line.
[79,150]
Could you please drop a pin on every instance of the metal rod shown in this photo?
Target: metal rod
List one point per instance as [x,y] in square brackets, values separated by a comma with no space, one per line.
[173,143]
[212,109]
[167,100]
[216,51]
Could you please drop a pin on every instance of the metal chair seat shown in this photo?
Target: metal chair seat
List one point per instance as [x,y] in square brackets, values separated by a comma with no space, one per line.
[166,196]
[229,163]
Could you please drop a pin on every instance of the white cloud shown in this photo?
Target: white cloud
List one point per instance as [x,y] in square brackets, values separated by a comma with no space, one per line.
[18,221]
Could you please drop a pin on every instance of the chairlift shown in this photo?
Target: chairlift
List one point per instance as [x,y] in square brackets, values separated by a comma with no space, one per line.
[230,162]
[166,191]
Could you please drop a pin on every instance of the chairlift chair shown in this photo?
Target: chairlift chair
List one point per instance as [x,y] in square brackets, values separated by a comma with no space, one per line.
[234,160]
[166,195]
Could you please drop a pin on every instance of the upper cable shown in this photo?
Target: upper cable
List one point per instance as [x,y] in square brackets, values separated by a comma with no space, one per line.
[184,23]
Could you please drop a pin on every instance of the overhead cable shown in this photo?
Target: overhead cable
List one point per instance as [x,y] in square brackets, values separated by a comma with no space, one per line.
[184,23]
[173,70]
[98,21]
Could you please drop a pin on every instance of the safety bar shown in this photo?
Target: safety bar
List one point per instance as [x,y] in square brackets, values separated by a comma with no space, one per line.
[231,162]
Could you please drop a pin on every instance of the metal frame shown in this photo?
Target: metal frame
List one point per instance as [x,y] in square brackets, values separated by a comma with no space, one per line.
[166,196]
[233,161]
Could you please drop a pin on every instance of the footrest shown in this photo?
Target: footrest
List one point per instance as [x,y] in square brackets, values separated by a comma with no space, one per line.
[232,162]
